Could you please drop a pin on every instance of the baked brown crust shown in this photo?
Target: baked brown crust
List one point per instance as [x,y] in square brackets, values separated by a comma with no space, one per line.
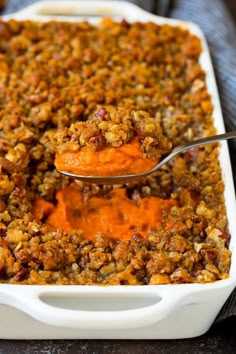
[56,74]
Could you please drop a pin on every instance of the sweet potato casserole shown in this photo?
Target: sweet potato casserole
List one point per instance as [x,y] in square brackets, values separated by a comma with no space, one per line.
[69,86]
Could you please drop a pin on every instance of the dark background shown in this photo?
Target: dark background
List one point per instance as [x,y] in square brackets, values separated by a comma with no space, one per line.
[220,339]
[232,7]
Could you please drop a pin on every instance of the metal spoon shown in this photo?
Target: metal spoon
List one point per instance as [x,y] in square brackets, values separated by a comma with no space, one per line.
[132,177]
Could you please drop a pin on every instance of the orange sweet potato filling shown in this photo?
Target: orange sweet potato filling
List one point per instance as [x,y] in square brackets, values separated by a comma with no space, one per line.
[118,216]
[42,208]
[110,161]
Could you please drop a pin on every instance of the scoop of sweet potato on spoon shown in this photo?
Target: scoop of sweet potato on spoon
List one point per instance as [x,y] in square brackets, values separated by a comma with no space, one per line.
[115,141]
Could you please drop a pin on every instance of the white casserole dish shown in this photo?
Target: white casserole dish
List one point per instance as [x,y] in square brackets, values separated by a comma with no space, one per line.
[120,312]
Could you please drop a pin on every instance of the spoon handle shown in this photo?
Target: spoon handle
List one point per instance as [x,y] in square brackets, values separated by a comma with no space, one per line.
[207,140]
[203,141]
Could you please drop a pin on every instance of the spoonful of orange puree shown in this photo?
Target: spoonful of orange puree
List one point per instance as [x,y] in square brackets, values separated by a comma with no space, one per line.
[111,161]
[115,141]
[115,215]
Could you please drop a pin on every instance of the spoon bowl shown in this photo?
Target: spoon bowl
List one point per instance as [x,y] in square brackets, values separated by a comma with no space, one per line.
[134,177]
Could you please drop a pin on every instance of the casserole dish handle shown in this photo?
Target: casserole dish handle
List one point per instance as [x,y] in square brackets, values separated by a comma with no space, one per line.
[146,308]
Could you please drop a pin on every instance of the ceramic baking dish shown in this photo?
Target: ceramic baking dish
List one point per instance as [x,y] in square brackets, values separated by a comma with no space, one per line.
[124,312]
